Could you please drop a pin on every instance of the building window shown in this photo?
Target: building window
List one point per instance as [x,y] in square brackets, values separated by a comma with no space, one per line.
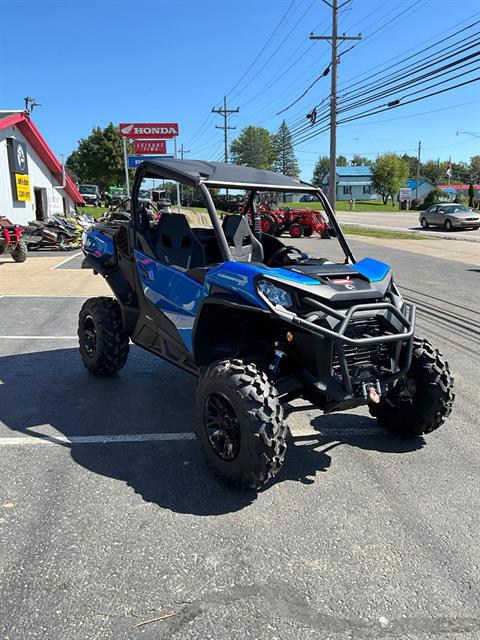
[367,190]
[347,191]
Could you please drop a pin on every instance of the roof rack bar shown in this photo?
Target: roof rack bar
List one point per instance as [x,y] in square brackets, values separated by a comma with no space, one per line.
[212,212]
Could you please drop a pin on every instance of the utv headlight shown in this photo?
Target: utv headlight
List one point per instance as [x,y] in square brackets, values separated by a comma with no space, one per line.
[275,295]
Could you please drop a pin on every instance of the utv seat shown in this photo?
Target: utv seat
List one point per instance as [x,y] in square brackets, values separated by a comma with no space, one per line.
[175,243]
[244,246]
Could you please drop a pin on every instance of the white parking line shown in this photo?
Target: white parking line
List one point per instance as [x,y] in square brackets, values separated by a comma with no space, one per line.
[65,261]
[38,337]
[334,435]
[106,439]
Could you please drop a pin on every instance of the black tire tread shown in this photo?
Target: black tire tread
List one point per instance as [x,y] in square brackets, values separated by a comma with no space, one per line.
[263,413]
[112,341]
[20,253]
[432,404]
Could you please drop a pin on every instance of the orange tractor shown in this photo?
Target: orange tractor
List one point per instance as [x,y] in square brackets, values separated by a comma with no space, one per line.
[297,222]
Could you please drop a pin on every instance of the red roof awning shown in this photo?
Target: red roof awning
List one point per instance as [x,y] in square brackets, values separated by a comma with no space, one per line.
[38,143]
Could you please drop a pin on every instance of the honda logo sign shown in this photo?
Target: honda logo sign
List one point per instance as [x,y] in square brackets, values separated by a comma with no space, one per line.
[149,130]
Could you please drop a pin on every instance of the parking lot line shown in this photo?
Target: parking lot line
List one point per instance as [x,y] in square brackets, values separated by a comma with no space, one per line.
[55,266]
[41,439]
[38,337]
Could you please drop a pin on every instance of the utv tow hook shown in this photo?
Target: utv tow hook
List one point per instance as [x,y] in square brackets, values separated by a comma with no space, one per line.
[372,392]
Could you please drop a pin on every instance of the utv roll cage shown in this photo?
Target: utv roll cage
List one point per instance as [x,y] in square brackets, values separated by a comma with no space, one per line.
[202,175]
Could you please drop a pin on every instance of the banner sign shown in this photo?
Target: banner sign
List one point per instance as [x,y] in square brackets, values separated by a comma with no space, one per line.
[22,186]
[17,156]
[134,161]
[149,130]
[149,146]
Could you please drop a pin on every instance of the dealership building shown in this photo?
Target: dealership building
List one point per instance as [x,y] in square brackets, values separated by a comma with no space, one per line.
[33,184]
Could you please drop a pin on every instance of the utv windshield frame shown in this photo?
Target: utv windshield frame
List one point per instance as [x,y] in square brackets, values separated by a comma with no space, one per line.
[200,174]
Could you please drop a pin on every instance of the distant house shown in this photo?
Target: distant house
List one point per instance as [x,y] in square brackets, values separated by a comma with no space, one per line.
[424,187]
[353,183]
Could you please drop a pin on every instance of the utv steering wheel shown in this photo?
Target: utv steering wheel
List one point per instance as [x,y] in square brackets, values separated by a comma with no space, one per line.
[283,251]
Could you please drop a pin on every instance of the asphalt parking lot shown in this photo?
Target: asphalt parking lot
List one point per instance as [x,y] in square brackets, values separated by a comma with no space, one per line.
[109,517]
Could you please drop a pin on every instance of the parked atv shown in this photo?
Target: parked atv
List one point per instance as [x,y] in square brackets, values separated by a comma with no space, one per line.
[260,323]
[11,241]
[54,233]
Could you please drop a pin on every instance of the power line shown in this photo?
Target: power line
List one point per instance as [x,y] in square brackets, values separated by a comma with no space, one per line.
[263,48]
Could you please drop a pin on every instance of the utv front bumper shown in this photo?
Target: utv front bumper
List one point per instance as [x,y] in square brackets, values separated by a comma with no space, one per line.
[347,351]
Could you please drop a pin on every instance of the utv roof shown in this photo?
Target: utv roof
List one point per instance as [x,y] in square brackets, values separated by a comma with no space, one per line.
[219,174]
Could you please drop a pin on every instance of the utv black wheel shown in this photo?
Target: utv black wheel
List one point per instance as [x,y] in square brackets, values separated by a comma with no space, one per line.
[239,423]
[421,403]
[20,254]
[103,341]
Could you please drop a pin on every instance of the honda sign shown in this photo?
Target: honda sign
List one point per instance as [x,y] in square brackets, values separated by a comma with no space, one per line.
[149,130]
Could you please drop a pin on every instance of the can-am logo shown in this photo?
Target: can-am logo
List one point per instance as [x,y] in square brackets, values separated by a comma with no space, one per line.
[149,130]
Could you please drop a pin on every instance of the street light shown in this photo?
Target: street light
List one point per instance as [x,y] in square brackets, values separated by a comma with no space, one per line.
[469,133]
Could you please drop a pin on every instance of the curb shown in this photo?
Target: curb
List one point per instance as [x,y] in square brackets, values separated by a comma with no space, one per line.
[427,234]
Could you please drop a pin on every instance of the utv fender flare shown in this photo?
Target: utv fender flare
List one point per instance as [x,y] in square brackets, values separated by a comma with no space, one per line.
[222,327]
[120,287]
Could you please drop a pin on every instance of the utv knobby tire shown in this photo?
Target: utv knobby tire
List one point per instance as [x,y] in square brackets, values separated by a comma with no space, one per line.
[110,351]
[260,419]
[20,253]
[431,402]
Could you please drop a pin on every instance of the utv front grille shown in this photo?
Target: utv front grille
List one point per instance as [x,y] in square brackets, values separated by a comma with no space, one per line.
[364,357]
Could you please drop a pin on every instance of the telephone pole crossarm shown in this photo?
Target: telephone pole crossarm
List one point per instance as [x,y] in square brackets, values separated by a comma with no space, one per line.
[225,113]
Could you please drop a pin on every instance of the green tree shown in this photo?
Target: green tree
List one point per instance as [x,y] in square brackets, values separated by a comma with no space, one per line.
[360,161]
[99,158]
[471,195]
[475,168]
[389,173]
[434,196]
[285,160]
[322,167]
[320,170]
[254,147]
[412,162]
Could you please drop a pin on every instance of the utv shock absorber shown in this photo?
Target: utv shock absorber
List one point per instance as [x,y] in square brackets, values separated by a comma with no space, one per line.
[278,355]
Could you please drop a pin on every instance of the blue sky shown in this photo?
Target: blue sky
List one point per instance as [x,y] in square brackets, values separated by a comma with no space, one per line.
[90,63]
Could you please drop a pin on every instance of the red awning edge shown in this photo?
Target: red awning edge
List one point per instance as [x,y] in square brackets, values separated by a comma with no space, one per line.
[38,143]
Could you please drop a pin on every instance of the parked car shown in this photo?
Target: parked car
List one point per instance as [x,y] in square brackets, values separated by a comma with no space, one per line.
[91,194]
[307,197]
[449,216]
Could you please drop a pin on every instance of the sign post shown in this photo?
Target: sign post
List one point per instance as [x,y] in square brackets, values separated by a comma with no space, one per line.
[178,185]
[125,159]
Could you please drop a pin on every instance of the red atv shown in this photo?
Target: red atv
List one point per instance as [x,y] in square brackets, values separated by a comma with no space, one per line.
[10,240]
[298,222]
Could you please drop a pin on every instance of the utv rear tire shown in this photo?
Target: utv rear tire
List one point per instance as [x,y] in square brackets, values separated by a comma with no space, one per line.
[21,252]
[431,399]
[243,442]
[102,338]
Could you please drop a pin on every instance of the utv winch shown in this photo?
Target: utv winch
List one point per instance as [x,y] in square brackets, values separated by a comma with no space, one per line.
[259,322]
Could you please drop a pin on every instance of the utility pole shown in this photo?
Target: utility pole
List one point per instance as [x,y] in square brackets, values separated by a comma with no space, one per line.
[334,39]
[225,113]
[183,151]
[418,168]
